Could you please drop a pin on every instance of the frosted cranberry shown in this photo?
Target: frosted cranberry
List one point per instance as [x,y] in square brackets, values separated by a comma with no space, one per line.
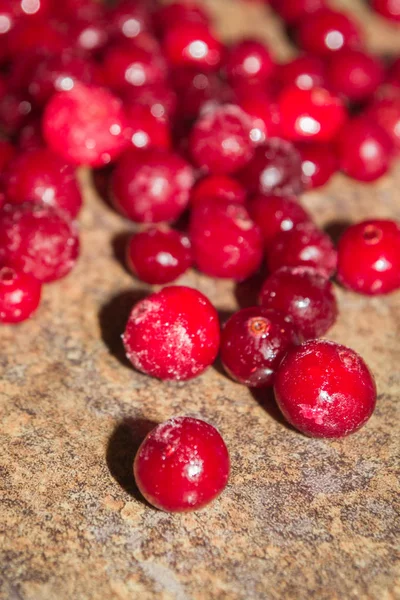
[274,214]
[85,125]
[386,113]
[19,295]
[42,177]
[248,61]
[303,294]
[304,72]
[159,255]
[226,242]
[145,130]
[364,150]
[369,257]
[253,343]
[292,11]
[182,465]
[38,240]
[15,108]
[129,65]
[192,45]
[151,186]
[313,114]
[128,19]
[173,334]
[265,115]
[7,151]
[304,245]
[325,390]
[220,140]
[159,98]
[274,169]
[327,31]
[319,163]
[219,188]
[166,17]
[355,74]
[390,9]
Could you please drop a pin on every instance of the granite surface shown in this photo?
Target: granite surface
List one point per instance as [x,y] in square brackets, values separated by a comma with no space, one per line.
[300,519]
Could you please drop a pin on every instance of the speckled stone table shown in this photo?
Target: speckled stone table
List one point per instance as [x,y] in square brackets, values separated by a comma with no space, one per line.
[300,518]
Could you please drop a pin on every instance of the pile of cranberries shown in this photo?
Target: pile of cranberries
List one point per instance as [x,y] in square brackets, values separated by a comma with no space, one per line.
[222,140]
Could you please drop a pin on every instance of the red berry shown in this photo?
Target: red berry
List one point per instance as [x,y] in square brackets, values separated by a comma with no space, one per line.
[294,10]
[145,130]
[248,61]
[364,150]
[355,74]
[386,113]
[253,343]
[38,240]
[226,242]
[303,294]
[173,334]
[19,295]
[369,257]
[220,140]
[192,45]
[166,17]
[15,109]
[128,19]
[304,72]
[265,115]
[159,98]
[42,177]
[85,125]
[304,245]
[182,465]
[150,186]
[89,35]
[30,136]
[390,9]
[220,188]
[38,35]
[159,255]
[393,76]
[77,9]
[319,163]
[128,65]
[327,31]
[325,390]
[7,152]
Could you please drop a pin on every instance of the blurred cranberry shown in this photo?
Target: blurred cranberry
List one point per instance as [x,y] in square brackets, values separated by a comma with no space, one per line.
[220,188]
[128,18]
[385,112]
[327,31]
[158,97]
[248,61]
[355,74]
[145,130]
[292,11]
[128,65]
[319,163]
[265,115]
[393,76]
[67,10]
[390,9]
[305,72]
[41,35]
[192,45]
[7,151]
[14,110]
[195,89]
[166,17]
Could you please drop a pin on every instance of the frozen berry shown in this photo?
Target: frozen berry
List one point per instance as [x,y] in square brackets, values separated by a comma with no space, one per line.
[355,74]
[369,257]
[145,130]
[130,65]
[182,465]
[19,295]
[226,242]
[386,113]
[325,390]
[150,186]
[265,115]
[173,334]
[253,343]
[305,72]
[220,188]
[390,9]
[192,45]
[38,240]
[292,11]
[327,31]
[303,294]
[248,61]
[319,163]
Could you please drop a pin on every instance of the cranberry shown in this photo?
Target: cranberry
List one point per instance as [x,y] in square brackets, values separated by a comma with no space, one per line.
[192,45]
[364,150]
[304,72]
[304,245]
[8,20]
[253,343]
[30,136]
[130,65]
[248,61]
[151,186]
[220,140]
[38,240]
[39,35]
[15,108]
[220,188]
[145,130]
[7,152]
[294,10]
[33,8]
[274,214]
[355,74]
[303,294]
[85,125]
[184,13]
[226,242]
[319,163]
[159,255]
[386,113]
[325,390]
[313,114]
[159,98]
[327,31]
[42,177]
[89,35]
[265,115]
[173,334]
[78,9]
[196,89]
[274,169]
[393,75]
[19,295]
[390,9]
[128,19]
[182,465]
[369,257]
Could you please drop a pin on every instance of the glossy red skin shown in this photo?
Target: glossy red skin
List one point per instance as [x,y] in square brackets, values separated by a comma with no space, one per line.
[326,32]
[248,61]
[325,390]
[304,72]
[192,45]
[220,188]
[364,150]
[7,152]
[145,130]
[390,9]
[19,295]
[303,246]
[128,19]
[292,11]
[226,242]
[319,163]
[369,257]
[274,214]
[386,113]
[253,344]
[128,65]
[314,114]
[265,115]
[86,125]
[159,255]
[355,74]
[303,294]
[159,98]
[172,334]
[151,186]
[182,465]
[38,240]
[275,169]
[166,17]
[40,176]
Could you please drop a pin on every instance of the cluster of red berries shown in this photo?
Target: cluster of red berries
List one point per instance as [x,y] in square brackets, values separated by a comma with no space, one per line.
[188,123]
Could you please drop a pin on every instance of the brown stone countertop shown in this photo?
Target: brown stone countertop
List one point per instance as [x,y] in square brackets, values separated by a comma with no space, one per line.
[300,519]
